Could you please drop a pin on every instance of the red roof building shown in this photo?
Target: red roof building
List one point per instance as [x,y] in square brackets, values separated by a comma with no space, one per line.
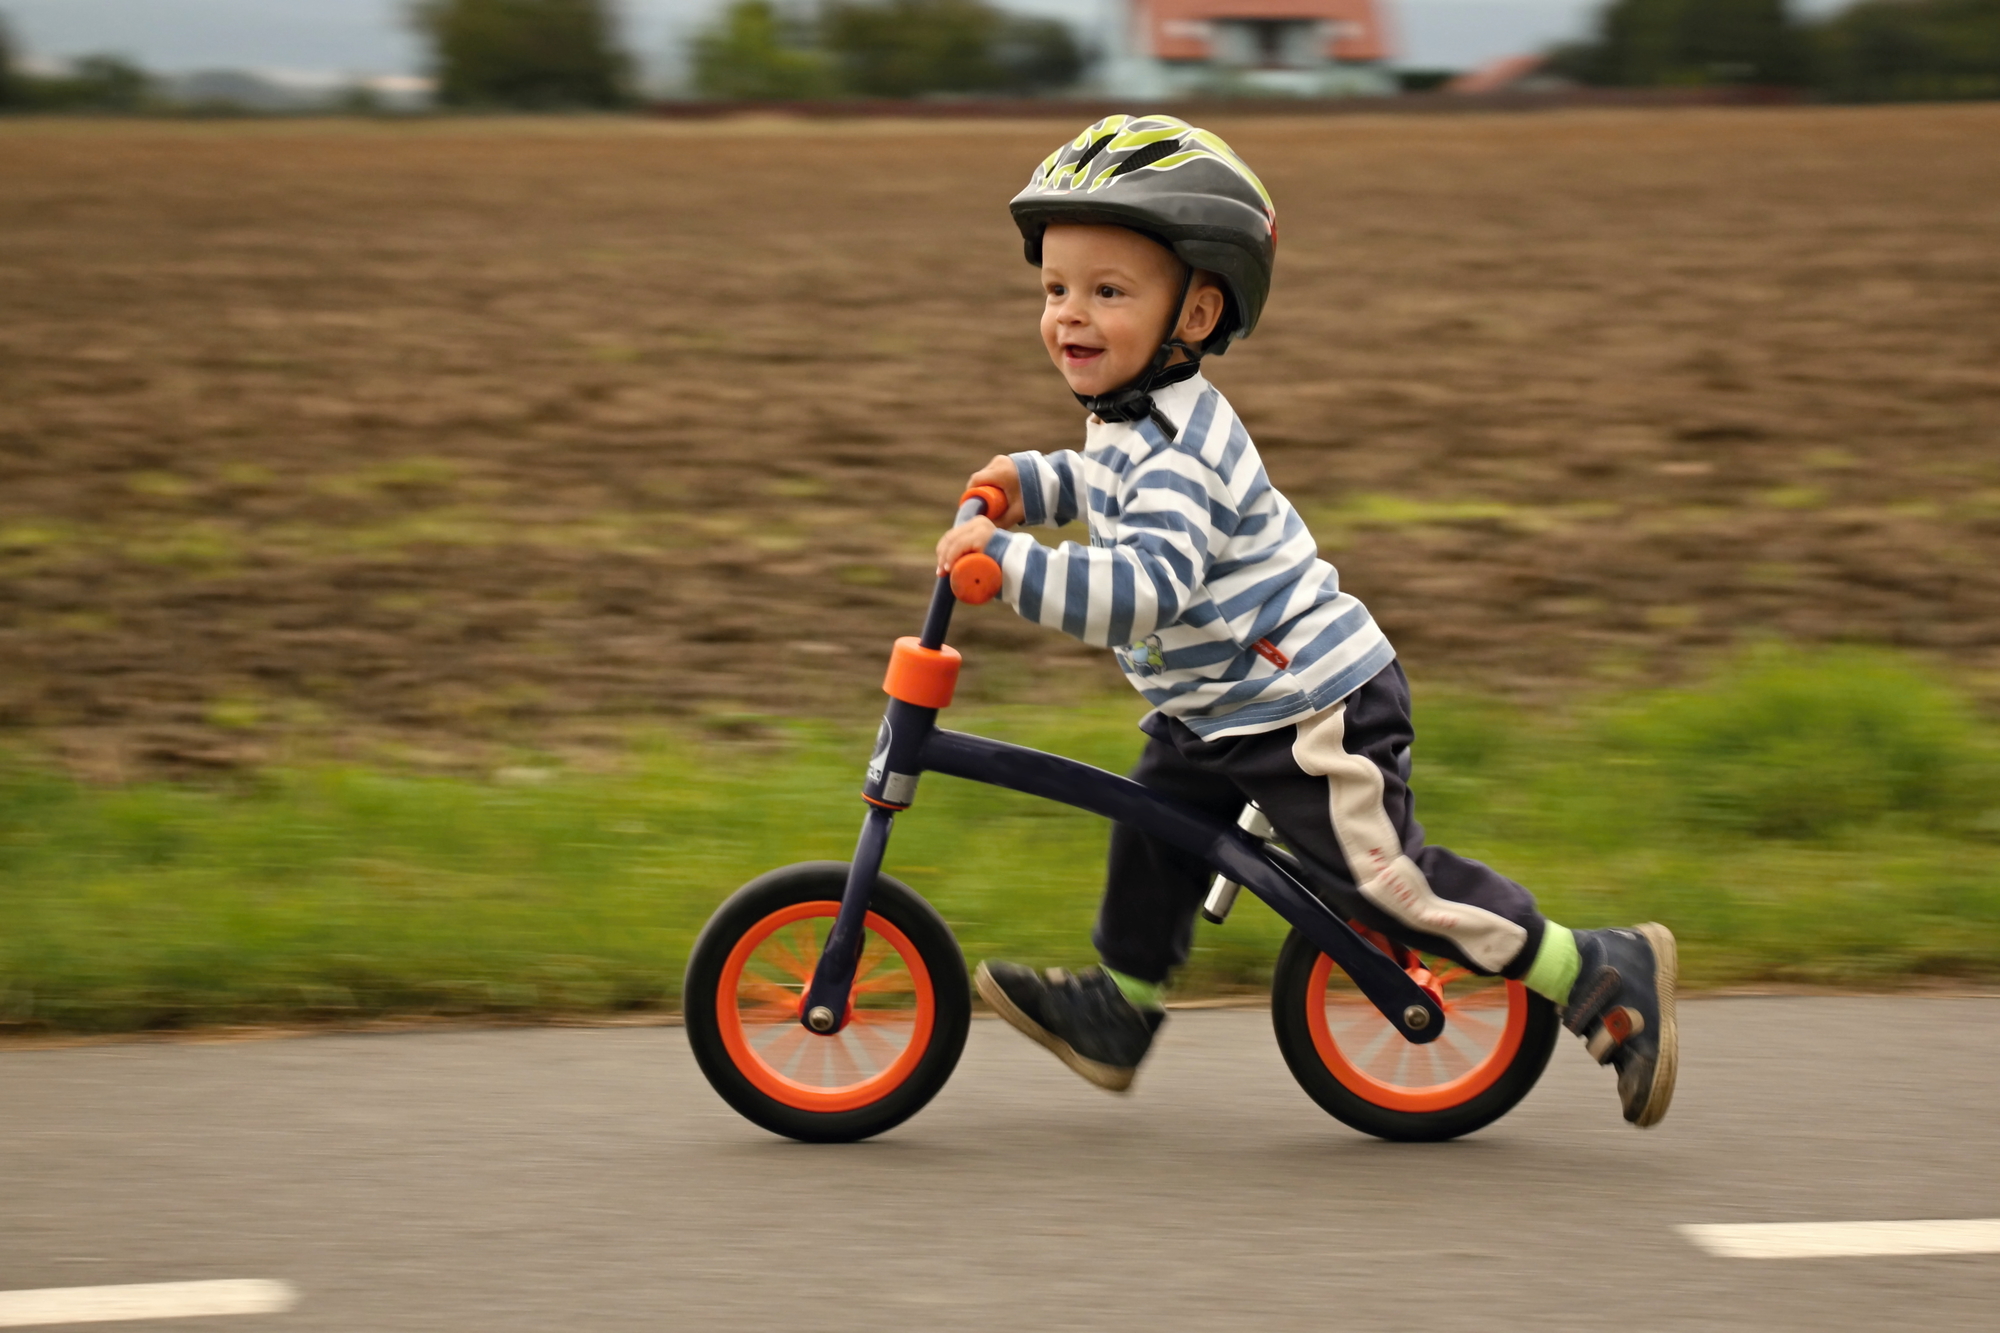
[1279,30]
[1302,47]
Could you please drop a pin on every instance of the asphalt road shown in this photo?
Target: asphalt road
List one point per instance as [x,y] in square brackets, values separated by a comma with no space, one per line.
[587,1179]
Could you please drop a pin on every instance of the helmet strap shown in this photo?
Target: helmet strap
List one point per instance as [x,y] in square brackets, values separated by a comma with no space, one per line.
[1134,401]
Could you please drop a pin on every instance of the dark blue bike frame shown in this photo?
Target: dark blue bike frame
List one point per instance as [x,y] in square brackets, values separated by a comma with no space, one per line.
[911,743]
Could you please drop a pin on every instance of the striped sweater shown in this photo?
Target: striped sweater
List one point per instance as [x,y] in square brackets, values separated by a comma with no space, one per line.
[1199,574]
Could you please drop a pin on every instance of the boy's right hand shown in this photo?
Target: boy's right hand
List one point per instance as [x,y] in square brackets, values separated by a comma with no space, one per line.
[1001,472]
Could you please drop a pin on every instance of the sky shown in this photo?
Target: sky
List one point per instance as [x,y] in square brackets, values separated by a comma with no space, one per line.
[368,37]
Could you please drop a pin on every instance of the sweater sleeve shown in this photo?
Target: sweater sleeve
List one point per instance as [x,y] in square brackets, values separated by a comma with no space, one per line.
[1048,487]
[1174,512]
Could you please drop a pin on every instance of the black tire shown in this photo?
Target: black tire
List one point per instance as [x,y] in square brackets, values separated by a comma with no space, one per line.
[1293,994]
[820,883]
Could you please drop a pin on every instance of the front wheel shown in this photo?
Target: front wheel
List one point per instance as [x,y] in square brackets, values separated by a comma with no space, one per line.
[1497,1038]
[907,1014]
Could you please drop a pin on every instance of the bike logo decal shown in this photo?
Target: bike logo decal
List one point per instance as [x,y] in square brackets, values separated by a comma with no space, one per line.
[879,761]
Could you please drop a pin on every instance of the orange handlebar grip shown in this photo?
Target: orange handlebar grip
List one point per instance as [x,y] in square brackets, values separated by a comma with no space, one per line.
[975,578]
[995,498]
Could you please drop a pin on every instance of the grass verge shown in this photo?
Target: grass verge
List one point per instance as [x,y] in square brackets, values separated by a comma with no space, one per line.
[1829,819]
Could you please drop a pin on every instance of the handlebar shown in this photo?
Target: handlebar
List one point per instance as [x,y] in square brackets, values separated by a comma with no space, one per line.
[975,578]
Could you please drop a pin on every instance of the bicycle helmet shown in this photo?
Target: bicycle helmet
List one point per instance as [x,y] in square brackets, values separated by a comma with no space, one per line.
[1185,188]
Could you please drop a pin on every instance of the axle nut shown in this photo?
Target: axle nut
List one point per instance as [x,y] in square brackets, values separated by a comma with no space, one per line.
[820,1018]
[1416,1018]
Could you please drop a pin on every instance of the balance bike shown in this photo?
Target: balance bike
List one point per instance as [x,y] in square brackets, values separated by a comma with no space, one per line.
[828,1002]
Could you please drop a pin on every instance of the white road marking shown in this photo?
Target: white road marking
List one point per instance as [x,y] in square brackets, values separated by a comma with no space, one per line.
[151,1300]
[1834,1240]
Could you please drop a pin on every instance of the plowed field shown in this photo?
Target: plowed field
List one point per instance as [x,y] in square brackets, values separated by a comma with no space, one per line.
[444,440]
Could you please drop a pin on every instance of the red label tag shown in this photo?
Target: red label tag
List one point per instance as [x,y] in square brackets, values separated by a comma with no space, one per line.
[1267,650]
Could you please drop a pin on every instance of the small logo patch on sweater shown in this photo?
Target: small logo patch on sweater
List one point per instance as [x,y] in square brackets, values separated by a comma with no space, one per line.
[1145,657]
[1267,650]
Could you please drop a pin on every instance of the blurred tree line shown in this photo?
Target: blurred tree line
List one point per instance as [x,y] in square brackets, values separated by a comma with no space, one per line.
[92,83]
[883,48]
[553,54]
[533,55]
[550,54]
[1873,50]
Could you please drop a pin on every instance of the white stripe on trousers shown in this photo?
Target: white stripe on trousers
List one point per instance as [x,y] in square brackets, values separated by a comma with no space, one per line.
[1374,849]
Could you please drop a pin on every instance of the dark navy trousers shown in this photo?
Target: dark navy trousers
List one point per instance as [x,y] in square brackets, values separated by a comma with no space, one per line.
[1337,787]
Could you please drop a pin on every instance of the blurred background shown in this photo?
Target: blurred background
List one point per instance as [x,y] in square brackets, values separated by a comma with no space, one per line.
[538,54]
[462,464]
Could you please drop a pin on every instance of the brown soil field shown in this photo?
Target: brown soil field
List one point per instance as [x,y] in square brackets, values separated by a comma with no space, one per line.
[436,441]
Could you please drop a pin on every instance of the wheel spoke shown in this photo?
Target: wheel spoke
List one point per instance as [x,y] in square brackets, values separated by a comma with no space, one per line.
[1402,1064]
[781,1053]
[1487,999]
[766,993]
[873,1040]
[882,1018]
[1467,1043]
[1484,1018]
[840,1061]
[782,956]
[1366,1051]
[1434,1060]
[1448,1061]
[872,955]
[825,1048]
[1386,1053]
[863,1056]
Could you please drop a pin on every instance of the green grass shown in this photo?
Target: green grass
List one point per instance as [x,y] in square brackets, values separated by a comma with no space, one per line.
[1832,818]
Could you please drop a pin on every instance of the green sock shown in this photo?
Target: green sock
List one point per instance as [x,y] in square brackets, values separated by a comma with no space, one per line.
[1555,966]
[1146,994]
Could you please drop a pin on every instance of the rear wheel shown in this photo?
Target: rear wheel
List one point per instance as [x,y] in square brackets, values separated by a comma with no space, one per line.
[907,1014]
[1496,1041]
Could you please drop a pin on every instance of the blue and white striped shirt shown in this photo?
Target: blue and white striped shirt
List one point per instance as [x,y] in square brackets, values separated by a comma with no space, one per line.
[1199,574]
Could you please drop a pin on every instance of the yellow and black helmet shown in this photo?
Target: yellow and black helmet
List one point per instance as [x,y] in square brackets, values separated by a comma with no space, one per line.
[1181,185]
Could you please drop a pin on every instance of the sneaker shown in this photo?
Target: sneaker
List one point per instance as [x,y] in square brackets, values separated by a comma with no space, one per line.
[1085,1019]
[1623,1007]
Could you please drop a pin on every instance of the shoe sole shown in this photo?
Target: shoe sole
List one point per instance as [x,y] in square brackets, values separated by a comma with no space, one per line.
[1109,1077]
[1666,1067]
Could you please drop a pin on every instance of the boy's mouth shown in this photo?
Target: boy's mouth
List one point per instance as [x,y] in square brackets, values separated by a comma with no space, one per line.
[1077,354]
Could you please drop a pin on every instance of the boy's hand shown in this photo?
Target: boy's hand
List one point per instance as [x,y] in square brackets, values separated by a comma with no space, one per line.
[1001,472]
[969,536]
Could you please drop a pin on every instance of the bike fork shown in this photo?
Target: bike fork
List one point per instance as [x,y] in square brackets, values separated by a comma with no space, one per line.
[891,786]
[824,1009]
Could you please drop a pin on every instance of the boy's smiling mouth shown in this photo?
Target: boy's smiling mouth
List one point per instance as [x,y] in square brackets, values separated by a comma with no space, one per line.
[1080,354]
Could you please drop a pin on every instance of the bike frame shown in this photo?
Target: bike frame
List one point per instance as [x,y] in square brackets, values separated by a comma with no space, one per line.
[911,744]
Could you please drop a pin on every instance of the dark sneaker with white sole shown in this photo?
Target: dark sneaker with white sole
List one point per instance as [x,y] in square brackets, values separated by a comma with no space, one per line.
[1084,1018]
[1623,1007]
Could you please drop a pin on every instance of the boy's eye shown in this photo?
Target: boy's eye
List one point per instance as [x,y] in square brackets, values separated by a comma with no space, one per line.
[1107,291]
[1057,289]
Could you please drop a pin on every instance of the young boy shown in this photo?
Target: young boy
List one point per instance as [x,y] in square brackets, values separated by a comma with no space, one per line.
[1268,683]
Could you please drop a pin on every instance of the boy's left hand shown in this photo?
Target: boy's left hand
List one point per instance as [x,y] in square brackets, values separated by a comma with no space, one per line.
[969,536]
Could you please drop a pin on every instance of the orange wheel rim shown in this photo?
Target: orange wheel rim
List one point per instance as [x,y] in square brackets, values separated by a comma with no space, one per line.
[1485,1020]
[890,1013]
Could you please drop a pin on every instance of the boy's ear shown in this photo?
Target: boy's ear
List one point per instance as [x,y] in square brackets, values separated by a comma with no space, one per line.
[1205,304]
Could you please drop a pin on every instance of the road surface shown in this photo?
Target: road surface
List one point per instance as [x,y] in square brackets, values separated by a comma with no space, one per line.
[566,1180]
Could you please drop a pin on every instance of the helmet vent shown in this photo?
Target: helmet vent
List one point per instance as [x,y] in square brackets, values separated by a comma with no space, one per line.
[1145,157]
[1096,147]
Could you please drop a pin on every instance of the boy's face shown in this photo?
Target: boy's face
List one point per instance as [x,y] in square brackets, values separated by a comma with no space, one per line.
[1110,293]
